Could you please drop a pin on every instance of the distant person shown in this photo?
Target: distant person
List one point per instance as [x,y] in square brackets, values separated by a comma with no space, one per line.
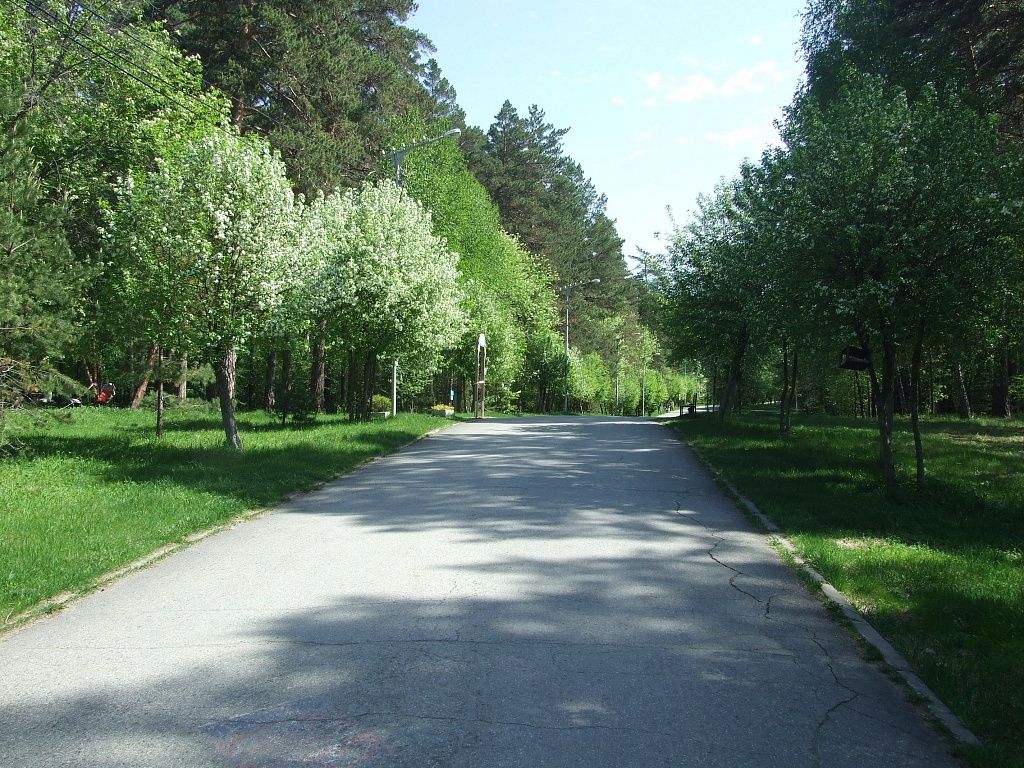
[106,394]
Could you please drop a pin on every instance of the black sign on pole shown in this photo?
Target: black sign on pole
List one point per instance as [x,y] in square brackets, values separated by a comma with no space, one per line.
[855,359]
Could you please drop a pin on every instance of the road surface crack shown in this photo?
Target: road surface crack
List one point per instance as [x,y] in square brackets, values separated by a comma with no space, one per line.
[719,539]
[854,695]
[736,573]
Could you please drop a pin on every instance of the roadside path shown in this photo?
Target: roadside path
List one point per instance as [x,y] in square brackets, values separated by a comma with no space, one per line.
[523,592]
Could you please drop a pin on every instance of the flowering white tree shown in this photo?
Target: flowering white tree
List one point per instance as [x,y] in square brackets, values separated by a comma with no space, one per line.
[384,284]
[206,242]
[320,286]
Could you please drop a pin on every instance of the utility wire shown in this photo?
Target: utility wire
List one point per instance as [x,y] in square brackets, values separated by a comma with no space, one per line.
[43,16]
[127,31]
[67,30]
[76,37]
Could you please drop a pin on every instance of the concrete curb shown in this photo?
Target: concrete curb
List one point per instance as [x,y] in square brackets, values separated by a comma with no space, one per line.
[868,633]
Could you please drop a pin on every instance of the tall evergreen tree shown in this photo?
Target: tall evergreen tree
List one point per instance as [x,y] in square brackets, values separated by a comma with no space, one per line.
[442,96]
[320,80]
[548,203]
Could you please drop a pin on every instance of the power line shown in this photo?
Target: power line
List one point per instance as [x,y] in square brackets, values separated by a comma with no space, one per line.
[43,16]
[67,30]
[127,32]
[76,38]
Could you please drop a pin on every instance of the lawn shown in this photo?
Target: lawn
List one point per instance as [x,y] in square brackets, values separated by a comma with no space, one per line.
[94,489]
[941,575]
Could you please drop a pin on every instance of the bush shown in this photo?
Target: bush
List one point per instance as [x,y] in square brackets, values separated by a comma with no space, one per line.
[380,403]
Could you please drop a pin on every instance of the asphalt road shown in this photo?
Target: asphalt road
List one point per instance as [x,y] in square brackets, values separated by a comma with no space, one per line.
[529,592]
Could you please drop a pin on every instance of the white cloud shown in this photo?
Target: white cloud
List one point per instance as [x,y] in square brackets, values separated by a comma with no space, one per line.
[757,40]
[692,88]
[618,101]
[684,140]
[757,136]
[690,61]
[636,154]
[644,138]
[654,80]
[696,86]
[751,80]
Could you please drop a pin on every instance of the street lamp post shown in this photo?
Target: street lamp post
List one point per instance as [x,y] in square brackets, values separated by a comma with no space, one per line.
[398,157]
[400,154]
[565,380]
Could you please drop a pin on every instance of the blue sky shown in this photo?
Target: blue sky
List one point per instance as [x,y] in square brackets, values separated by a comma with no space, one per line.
[663,98]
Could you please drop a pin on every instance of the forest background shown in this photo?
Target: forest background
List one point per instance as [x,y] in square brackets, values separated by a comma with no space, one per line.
[202,195]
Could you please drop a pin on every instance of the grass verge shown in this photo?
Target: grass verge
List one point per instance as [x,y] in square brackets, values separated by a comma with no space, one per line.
[940,575]
[95,489]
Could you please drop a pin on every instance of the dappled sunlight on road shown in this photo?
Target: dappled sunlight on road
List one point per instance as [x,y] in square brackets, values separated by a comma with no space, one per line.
[520,592]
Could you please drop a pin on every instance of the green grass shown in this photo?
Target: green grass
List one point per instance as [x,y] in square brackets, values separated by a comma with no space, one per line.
[941,575]
[95,489]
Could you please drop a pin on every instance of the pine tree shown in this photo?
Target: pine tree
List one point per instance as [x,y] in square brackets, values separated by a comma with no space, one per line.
[320,80]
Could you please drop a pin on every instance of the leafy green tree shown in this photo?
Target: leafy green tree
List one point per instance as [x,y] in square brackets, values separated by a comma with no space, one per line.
[976,45]
[107,94]
[546,201]
[40,282]
[904,200]
[717,288]
[506,294]
[590,382]
[442,96]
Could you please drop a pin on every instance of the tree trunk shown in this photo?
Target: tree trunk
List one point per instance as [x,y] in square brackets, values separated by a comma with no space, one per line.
[732,385]
[183,380]
[352,384]
[346,385]
[286,384]
[269,375]
[884,408]
[915,409]
[250,379]
[318,373]
[88,372]
[791,405]
[238,109]
[964,402]
[160,394]
[858,408]
[1001,387]
[901,391]
[140,390]
[931,385]
[226,392]
[369,377]
[784,400]
[332,385]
